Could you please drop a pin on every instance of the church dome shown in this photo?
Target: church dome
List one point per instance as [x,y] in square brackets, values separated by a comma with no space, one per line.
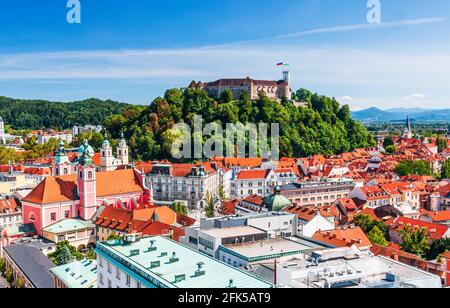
[83,147]
[276,202]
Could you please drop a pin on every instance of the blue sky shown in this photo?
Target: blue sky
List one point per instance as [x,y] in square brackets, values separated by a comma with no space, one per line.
[133,50]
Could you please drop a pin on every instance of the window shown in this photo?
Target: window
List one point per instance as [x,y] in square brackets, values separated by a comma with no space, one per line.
[109,284]
[118,273]
[53,216]
[90,175]
[128,280]
[66,214]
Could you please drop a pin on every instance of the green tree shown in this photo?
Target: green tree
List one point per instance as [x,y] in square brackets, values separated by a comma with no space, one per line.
[390,149]
[91,255]
[7,155]
[9,276]
[437,248]
[19,283]
[376,231]
[417,167]
[363,221]
[210,210]
[388,141]
[415,241]
[65,253]
[376,236]
[2,265]
[442,143]
[221,192]
[180,208]
[226,97]
[113,237]
[445,172]
[64,256]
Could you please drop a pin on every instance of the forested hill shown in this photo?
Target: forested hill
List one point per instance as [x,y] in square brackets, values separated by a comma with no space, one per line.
[37,114]
[323,127]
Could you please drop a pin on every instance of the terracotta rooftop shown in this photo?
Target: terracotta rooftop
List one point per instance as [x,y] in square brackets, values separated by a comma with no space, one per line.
[64,188]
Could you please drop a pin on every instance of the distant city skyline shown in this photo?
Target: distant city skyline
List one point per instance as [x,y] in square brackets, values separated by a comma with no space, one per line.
[132,52]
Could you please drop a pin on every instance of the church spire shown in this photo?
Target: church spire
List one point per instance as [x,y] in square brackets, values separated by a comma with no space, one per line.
[408,123]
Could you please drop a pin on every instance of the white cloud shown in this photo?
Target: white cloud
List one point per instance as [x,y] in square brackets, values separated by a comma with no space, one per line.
[346,98]
[415,96]
[338,29]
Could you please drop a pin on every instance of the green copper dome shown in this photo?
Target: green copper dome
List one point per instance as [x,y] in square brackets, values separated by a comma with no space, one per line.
[276,202]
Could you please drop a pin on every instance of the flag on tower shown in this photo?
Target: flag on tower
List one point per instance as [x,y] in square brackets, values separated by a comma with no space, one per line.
[285,64]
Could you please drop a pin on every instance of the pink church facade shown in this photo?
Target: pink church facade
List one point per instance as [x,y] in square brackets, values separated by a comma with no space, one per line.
[79,196]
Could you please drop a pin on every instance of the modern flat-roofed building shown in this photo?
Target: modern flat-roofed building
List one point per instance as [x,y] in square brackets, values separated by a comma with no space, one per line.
[318,193]
[76,275]
[158,262]
[243,254]
[212,233]
[350,268]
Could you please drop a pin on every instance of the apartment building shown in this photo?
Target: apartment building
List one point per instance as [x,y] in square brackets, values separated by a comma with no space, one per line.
[318,193]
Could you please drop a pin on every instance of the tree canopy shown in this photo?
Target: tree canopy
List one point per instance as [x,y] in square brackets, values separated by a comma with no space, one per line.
[324,126]
[38,114]
[417,167]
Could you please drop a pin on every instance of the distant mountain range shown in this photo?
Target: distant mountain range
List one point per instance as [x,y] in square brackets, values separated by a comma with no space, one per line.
[399,114]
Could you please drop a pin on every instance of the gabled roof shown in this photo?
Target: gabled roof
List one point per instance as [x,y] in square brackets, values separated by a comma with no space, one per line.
[307,213]
[9,206]
[436,231]
[343,237]
[252,174]
[55,189]
[33,263]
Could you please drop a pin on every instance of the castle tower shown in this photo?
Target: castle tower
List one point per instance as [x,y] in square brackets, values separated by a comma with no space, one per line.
[287,77]
[106,157]
[122,150]
[62,163]
[87,186]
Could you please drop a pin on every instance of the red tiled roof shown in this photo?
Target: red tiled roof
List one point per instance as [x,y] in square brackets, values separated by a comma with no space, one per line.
[9,206]
[392,252]
[343,237]
[185,221]
[252,174]
[441,216]
[229,207]
[307,213]
[64,188]
[436,231]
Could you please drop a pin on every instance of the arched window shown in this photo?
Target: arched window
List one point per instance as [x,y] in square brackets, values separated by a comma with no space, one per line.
[57,171]
[90,175]
[120,152]
[66,172]
[81,175]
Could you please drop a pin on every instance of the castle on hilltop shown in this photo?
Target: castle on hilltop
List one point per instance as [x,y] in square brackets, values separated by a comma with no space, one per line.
[272,89]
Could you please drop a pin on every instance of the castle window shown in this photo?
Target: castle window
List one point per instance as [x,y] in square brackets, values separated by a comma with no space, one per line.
[81,175]
[90,175]
[66,172]
[120,152]
[57,171]
[53,216]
